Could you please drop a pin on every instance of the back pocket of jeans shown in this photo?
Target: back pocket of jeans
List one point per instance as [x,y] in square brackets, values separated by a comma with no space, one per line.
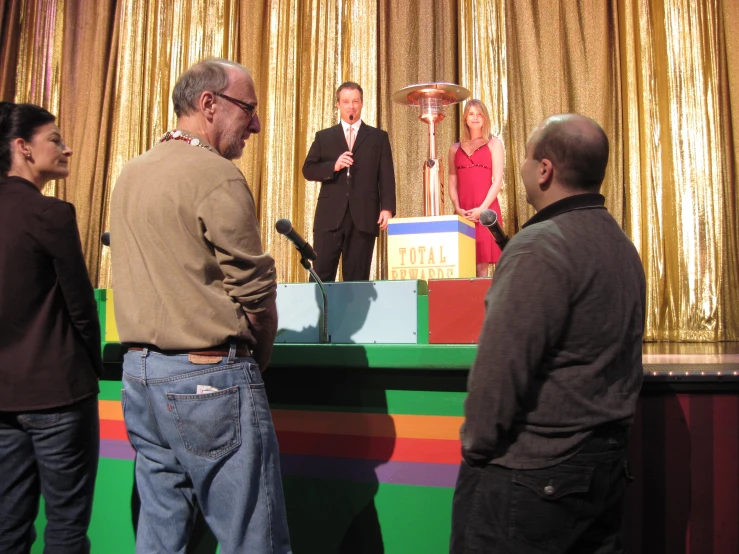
[548,503]
[208,423]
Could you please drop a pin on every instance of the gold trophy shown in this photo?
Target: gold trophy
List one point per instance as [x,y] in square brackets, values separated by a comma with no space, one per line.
[431,98]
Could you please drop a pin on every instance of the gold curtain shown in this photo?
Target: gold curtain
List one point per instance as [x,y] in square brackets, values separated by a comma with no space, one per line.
[661,76]
[680,179]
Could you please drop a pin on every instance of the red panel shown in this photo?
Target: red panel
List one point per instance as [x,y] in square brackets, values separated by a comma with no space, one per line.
[685,456]
[456,310]
[113,429]
[726,473]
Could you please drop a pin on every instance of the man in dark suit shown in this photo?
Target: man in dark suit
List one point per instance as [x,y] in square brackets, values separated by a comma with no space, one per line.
[354,165]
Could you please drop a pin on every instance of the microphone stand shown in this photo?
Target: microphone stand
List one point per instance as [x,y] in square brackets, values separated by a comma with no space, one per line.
[323,329]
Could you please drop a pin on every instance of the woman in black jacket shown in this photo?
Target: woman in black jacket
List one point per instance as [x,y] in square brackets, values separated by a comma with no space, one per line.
[50,357]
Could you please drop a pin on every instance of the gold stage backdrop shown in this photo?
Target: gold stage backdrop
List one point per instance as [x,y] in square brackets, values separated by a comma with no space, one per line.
[661,76]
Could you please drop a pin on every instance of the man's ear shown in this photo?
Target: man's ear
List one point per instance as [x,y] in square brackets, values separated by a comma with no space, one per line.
[206,103]
[545,173]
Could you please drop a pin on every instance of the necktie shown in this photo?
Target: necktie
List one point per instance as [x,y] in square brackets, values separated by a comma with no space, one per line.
[350,137]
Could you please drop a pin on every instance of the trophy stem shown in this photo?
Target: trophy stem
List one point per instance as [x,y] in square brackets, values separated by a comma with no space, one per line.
[432,140]
[433,187]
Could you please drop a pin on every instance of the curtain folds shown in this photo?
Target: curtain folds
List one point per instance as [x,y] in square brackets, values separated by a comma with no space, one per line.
[661,77]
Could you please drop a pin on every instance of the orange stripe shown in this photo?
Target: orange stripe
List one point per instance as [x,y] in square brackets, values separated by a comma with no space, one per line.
[368,425]
[344,423]
[110,409]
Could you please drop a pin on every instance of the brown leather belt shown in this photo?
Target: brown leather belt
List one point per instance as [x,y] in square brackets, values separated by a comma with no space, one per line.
[242,351]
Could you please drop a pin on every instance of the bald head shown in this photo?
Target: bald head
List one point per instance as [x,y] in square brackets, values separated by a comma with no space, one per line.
[576,146]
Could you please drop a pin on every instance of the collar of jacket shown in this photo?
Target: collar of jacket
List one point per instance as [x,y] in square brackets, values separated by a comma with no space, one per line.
[14,180]
[584,201]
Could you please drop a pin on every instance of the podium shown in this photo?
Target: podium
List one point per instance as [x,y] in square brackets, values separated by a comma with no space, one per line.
[437,247]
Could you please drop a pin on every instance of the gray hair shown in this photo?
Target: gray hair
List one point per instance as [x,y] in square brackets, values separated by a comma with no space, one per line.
[210,74]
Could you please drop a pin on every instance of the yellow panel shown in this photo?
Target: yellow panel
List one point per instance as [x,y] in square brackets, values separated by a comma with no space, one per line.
[111,331]
[467,257]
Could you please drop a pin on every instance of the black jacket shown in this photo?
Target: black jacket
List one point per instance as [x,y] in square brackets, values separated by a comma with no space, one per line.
[49,330]
[560,354]
[372,185]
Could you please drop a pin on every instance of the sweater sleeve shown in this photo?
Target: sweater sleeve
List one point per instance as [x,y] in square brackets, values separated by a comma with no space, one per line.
[228,217]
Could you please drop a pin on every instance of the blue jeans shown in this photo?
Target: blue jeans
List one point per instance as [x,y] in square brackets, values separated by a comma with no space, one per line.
[215,449]
[575,506]
[53,452]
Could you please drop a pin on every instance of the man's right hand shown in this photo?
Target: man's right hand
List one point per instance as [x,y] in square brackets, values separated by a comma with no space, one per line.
[345,160]
[264,328]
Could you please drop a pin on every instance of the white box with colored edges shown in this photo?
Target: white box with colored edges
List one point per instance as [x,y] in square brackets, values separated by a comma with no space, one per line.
[438,247]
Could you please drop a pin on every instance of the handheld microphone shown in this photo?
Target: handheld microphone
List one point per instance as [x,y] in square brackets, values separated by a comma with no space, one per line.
[105,238]
[349,169]
[489,219]
[284,227]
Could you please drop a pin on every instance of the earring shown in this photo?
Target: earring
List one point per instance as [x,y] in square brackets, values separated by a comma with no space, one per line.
[28,155]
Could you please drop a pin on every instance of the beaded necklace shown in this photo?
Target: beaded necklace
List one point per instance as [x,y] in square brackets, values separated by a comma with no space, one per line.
[192,141]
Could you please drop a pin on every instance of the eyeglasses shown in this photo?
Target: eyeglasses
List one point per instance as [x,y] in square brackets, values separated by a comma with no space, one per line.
[248,108]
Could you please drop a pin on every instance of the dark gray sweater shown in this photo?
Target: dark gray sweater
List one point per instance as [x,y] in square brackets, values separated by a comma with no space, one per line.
[560,349]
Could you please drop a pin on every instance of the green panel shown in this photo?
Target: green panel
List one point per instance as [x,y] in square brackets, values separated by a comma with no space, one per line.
[110,390]
[328,517]
[410,356]
[100,299]
[113,504]
[415,519]
[425,403]
[423,319]
[399,402]
[401,356]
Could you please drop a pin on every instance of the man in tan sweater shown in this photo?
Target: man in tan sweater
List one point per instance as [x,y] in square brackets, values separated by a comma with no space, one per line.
[195,303]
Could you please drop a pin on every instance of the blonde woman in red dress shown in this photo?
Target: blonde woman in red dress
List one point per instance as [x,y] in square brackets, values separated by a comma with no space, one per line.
[475,177]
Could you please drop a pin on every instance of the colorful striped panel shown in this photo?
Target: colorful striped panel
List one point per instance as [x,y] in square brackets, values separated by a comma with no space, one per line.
[389,448]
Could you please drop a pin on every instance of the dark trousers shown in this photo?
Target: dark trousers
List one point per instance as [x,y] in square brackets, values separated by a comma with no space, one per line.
[572,507]
[355,248]
[53,452]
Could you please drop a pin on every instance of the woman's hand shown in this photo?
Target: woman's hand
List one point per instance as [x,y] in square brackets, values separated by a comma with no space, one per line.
[474,214]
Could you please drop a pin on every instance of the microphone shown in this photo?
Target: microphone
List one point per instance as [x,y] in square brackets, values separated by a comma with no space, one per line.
[489,219]
[284,227]
[105,238]
[349,169]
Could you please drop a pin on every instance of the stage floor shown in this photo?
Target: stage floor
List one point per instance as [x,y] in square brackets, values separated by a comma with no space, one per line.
[692,360]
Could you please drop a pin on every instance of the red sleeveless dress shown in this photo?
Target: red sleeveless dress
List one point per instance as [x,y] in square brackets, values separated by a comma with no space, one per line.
[474,177]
